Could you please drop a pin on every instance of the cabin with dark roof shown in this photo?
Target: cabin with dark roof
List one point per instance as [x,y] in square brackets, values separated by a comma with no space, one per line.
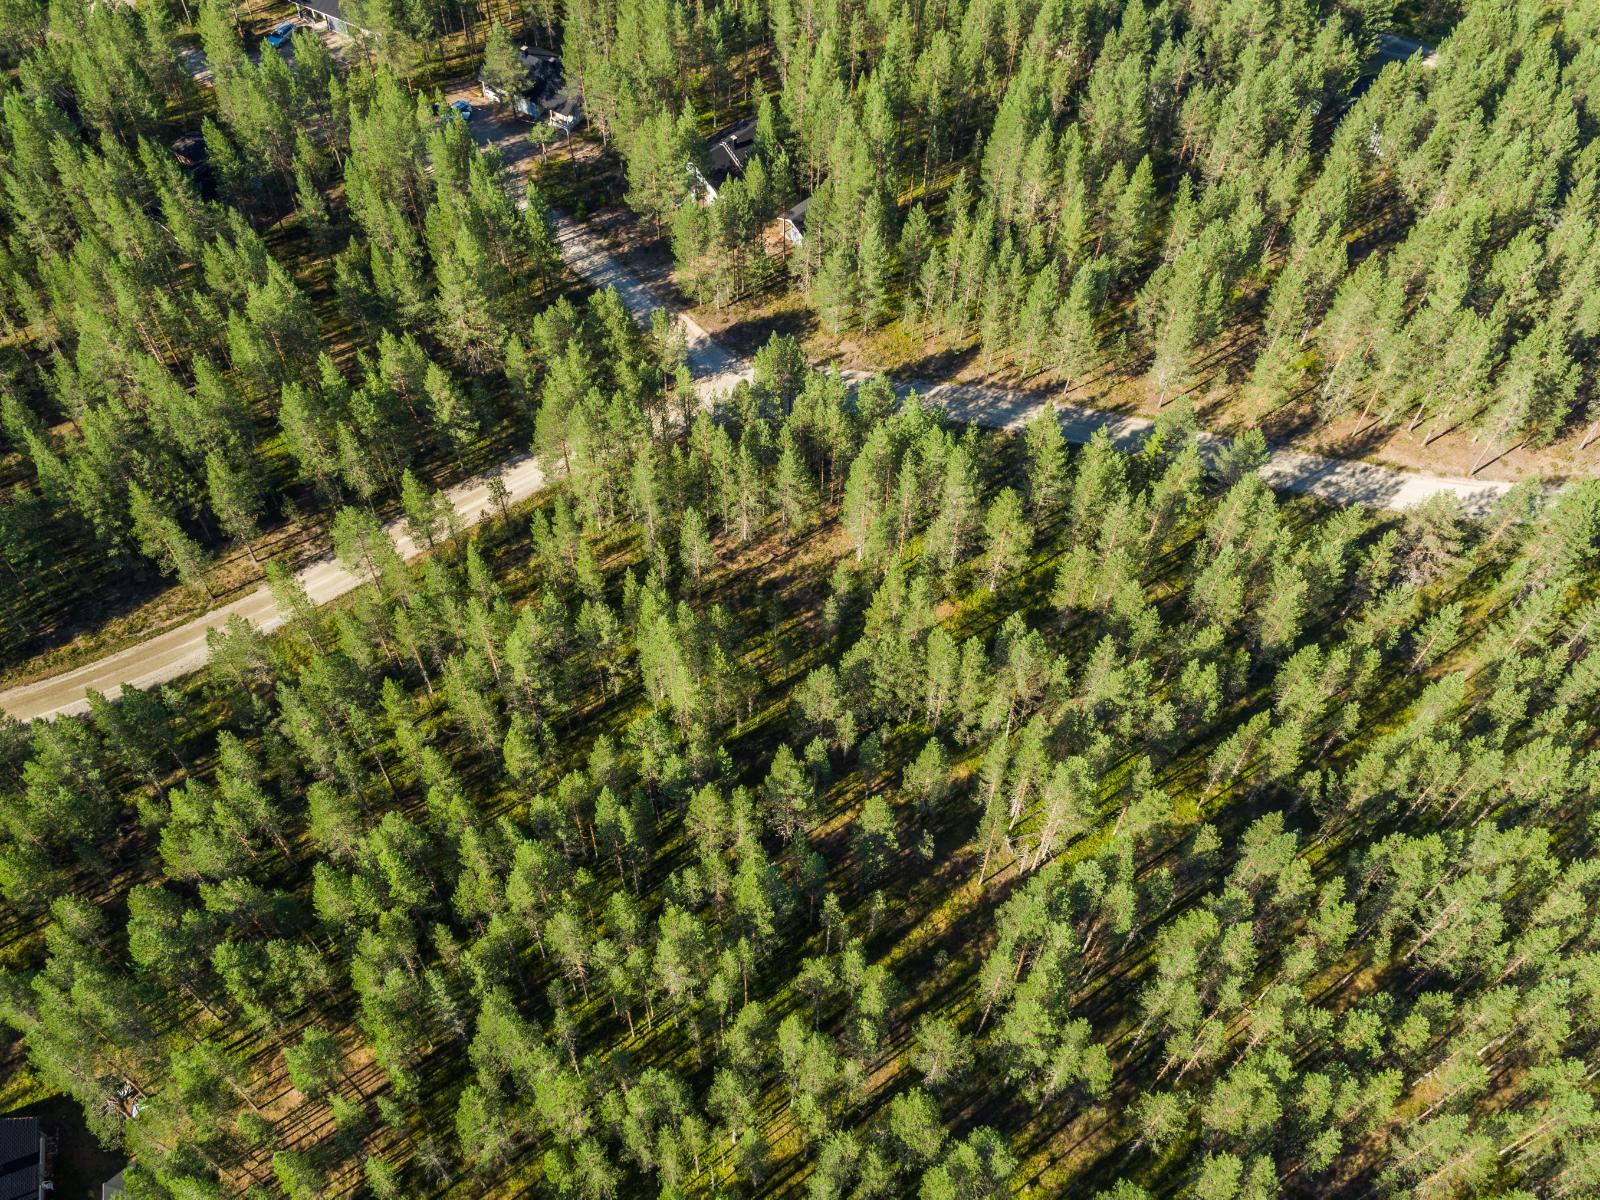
[726,158]
[21,1159]
[548,93]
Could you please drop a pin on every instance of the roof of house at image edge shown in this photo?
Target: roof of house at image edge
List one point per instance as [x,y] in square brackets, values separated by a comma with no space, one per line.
[729,151]
[19,1158]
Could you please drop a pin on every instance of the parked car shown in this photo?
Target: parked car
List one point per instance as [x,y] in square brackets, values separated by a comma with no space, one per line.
[279,36]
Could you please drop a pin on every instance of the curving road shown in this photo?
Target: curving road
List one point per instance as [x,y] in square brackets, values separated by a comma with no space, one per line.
[181,649]
[174,652]
[1340,481]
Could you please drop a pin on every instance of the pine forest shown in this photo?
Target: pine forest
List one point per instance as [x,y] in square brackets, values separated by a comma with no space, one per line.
[800,598]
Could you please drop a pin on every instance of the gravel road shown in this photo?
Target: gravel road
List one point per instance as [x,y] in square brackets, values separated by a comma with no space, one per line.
[173,652]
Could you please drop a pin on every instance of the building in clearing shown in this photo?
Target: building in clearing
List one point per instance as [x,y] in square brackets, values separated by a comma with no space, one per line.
[548,93]
[536,63]
[329,13]
[1391,48]
[726,159]
[792,222]
[21,1159]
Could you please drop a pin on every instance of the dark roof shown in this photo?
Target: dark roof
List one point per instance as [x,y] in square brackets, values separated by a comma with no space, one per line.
[1393,48]
[326,8]
[190,151]
[540,65]
[564,101]
[19,1158]
[729,151]
[551,88]
[796,216]
[539,61]
[547,83]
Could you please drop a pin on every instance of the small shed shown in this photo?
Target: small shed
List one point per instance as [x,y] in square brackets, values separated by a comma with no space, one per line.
[190,151]
[792,222]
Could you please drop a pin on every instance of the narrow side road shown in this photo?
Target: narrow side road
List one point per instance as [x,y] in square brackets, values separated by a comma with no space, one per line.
[166,656]
[1337,480]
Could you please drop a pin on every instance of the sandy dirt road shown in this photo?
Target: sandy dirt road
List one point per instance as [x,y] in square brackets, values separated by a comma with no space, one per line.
[174,652]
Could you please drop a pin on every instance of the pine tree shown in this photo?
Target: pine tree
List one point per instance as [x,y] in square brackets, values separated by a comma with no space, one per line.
[954,527]
[236,497]
[874,266]
[694,546]
[835,293]
[1007,537]
[365,549]
[428,514]
[503,71]
[793,493]
[162,540]
[455,416]
[1047,460]
[312,205]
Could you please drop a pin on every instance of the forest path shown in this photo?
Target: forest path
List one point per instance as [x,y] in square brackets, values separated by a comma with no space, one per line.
[177,651]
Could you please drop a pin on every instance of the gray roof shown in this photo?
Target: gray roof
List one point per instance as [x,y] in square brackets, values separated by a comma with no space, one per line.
[1389,48]
[326,8]
[1393,48]
[729,152]
[547,83]
[796,216]
[19,1158]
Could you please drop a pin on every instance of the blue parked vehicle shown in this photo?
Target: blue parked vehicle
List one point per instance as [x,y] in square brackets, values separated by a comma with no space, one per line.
[279,36]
